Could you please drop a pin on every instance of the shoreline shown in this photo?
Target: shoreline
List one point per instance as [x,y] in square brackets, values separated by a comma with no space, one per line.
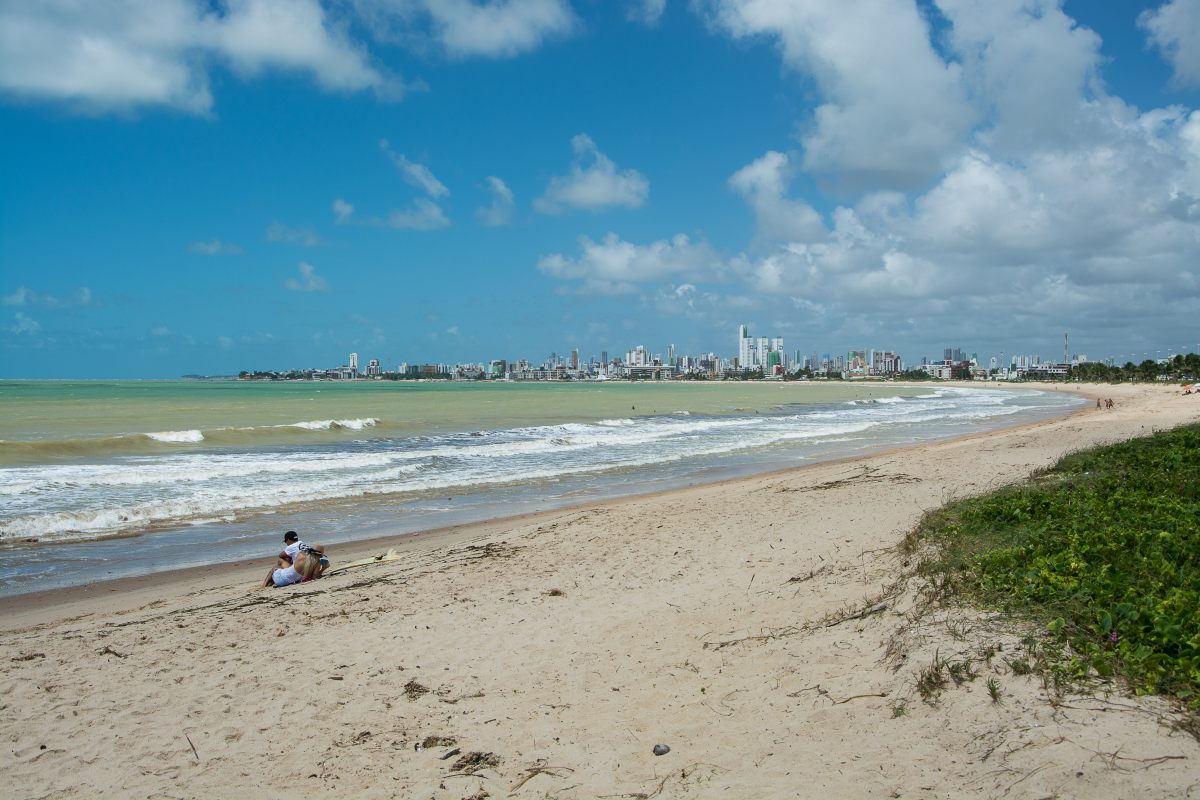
[29,608]
[755,626]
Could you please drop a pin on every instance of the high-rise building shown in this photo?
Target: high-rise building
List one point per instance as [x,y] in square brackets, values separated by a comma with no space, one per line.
[746,358]
[354,363]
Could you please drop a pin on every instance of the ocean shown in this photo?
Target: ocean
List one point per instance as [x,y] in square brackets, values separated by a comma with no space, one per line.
[105,479]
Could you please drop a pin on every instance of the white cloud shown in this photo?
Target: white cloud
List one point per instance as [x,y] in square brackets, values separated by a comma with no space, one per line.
[161,330]
[423,215]
[468,28]
[892,110]
[1026,64]
[342,211]
[309,281]
[416,175]
[1036,201]
[647,12]
[501,210]
[23,323]
[594,183]
[125,54]
[18,298]
[24,296]
[215,247]
[615,266]
[764,183]
[292,34]
[279,232]
[1174,28]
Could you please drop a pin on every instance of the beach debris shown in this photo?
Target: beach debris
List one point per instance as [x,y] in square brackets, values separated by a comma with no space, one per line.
[437,741]
[189,740]
[28,656]
[450,754]
[475,762]
[108,651]
[539,768]
[453,700]
[661,749]
[413,690]
[556,593]
[482,794]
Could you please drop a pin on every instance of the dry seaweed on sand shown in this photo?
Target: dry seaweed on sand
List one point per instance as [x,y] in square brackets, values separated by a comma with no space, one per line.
[475,762]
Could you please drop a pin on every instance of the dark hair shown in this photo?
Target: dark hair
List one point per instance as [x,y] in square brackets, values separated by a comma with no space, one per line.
[290,536]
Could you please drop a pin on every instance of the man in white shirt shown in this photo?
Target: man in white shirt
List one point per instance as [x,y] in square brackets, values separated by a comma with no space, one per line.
[291,546]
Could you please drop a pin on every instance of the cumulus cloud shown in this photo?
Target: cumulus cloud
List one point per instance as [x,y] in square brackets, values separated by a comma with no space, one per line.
[126,54]
[647,12]
[892,110]
[309,280]
[763,183]
[594,183]
[1026,65]
[1038,201]
[501,210]
[22,323]
[24,296]
[422,215]
[279,232]
[18,298]
[416,175]
[467,28]
[1174,28]
[343,212]
[615,266]
[214,247]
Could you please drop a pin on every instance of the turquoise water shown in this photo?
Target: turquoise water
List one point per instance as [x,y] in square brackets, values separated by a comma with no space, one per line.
[144,476]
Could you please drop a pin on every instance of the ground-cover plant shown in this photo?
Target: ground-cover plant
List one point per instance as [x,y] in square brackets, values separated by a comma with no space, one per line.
[1103,549]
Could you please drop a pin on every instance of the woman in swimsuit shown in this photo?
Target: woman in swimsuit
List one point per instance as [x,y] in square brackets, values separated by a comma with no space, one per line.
[305,567]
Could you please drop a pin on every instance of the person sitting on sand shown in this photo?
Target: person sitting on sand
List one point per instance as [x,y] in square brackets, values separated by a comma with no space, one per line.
[305,567]
[316,551]
[291,547]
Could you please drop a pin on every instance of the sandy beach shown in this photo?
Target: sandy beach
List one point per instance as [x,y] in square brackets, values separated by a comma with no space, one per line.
[753,626]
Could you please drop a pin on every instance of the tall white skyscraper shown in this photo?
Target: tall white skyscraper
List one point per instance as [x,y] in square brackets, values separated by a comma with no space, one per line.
[354,363]
[746,358]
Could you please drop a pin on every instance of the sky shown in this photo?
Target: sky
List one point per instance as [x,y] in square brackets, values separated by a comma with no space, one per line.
[209,186]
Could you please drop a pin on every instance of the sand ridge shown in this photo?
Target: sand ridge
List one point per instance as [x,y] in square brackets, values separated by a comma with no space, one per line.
[753,626]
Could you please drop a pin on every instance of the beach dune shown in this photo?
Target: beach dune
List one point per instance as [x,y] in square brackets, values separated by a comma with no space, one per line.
[753,626]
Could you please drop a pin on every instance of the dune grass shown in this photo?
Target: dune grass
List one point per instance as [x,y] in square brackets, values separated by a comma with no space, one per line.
[1103,549]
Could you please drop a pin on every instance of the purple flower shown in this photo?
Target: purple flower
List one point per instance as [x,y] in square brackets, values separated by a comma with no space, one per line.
[1112,637]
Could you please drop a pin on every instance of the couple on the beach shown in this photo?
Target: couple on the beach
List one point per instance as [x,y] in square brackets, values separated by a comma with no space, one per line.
[296,563]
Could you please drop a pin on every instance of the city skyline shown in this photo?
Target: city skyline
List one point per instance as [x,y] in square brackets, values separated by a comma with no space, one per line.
[211,185]
[765,355]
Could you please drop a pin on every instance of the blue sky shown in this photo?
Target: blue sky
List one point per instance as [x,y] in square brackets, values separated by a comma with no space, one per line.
[204,187]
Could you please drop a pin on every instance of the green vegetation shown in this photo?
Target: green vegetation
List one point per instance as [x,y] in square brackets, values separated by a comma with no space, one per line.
[1179,368]
[1103,549]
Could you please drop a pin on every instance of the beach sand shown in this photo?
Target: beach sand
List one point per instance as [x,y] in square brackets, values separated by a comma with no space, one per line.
[744,624]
